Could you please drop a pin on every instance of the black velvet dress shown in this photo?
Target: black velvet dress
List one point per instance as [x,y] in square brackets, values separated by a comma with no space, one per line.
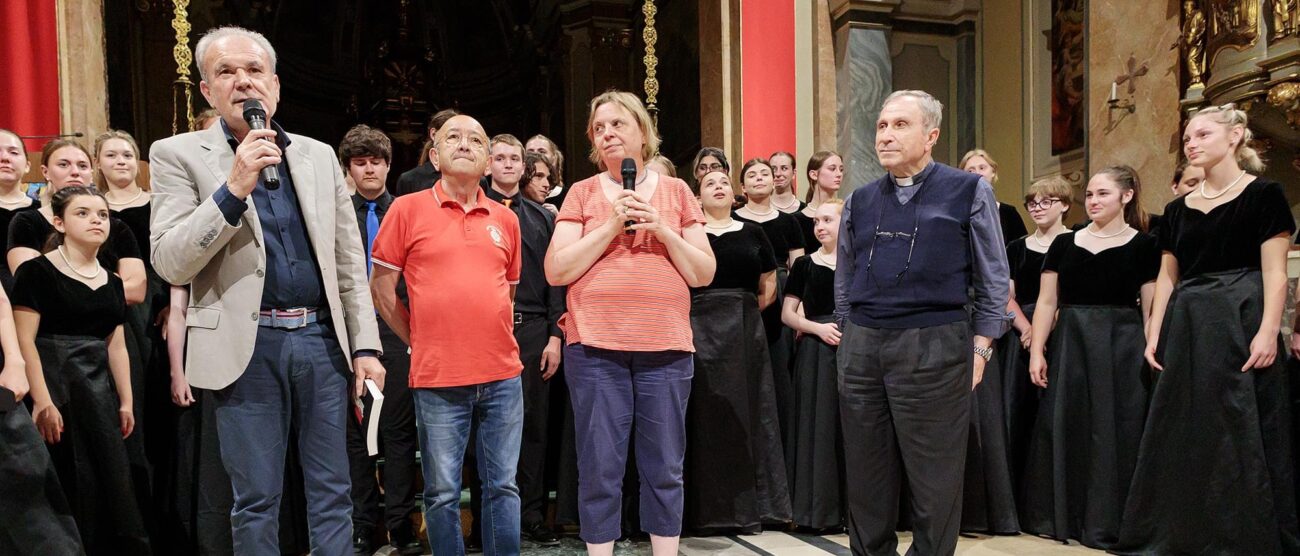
[1085,441]
[91,457]
[1013,227]
[784,235]
[806,227]
[7,216]
[1215,470]
[815,452]
[1019,395]
[735,474]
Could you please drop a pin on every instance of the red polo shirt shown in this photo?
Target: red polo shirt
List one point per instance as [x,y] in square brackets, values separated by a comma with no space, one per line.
[458,267]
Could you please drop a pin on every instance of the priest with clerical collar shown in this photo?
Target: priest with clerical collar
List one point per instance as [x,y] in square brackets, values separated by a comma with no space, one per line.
[921,288]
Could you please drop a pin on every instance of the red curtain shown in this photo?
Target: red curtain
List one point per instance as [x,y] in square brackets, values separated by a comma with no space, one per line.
[29,69]
[767,79]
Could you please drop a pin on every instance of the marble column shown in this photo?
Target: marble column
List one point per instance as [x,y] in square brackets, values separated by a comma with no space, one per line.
[83,71]
[863,79]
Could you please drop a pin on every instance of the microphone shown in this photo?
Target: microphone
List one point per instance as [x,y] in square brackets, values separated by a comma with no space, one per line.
[629,184]
[255,115]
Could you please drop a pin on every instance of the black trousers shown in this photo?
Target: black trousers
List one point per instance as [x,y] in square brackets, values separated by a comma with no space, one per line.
[905,411]
[397,444]
[532,335]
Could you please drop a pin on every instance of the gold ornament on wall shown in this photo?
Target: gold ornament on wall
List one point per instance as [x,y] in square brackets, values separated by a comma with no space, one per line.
[651,61]
[1193,40]
[1233,24]
[1286,97]
[1284,18]
[181,52]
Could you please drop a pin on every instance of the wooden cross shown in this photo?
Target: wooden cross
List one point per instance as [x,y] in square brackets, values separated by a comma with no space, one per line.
[1134,72]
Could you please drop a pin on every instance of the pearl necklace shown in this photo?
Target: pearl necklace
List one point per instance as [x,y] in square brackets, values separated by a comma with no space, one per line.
[1099,236]
[787,207]
[1225,190]
[74,270]
[138,193]
[1034,238]
[722,227]
[770,210]
[821,259]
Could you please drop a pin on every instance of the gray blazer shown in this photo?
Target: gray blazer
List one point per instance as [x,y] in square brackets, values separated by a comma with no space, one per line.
[191,243]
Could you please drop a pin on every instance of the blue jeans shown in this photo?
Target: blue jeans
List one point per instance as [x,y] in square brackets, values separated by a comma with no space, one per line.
[300,375]
[444,416]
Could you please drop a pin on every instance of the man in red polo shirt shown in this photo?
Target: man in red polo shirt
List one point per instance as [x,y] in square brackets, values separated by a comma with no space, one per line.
[460,255]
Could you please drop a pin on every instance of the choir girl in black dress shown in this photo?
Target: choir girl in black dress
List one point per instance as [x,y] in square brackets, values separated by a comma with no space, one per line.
[34,517]
[1085,442]
[1214,473]
[825,173]
[13,196]
[816,455]
[787,243]
[784,171]
[978,161]
[735,473]
[69,313]
[1047,201]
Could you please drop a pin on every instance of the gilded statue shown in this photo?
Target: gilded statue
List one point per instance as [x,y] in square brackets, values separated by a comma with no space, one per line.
[1284,18]
[1194,41]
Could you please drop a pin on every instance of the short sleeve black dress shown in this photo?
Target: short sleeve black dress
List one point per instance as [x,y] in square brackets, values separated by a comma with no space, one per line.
[1218,440]
[1013,227]
[814,450]
[733,438]
[91,458]
[783,232]
[1090,418]
[7,216]
[806,225]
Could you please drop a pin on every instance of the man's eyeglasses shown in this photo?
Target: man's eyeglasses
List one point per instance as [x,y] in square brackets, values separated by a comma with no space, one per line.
[889,236]
[1043,204]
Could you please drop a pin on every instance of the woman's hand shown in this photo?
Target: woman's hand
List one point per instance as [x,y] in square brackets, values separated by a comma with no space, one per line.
[639,211]
[1263,351]
[127,418]
[1026,336]
[49,422]
[1038,370]
[1151,356]
[828,332]
[182,396]
[1295,345]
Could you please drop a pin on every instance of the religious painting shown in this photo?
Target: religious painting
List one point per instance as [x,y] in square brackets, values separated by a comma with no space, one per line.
[1068,75]
[1055,112]
[1233,24]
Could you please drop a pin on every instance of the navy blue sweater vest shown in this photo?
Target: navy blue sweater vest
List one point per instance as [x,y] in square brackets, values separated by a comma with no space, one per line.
[887,291]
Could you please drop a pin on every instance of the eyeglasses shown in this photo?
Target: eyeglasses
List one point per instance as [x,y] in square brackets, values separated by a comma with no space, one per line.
[706,167]
[890,236]
[1043,204]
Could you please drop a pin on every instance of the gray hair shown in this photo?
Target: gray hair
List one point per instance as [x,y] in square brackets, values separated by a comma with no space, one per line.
[215,34]
[931,108]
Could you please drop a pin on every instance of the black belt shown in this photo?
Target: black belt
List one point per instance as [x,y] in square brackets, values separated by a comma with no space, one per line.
[521,318]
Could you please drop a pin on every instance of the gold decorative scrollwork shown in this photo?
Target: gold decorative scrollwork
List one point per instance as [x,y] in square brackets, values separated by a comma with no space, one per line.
[651,60]
[1233,24]
[1286,97]
[181,53]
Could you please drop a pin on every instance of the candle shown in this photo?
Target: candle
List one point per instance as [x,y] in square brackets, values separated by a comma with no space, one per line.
[1114,91]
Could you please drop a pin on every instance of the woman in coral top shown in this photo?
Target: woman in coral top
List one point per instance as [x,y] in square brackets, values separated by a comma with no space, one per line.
[629,259]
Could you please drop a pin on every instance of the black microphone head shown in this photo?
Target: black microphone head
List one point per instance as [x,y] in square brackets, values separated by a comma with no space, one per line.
[629,168]
[253,109]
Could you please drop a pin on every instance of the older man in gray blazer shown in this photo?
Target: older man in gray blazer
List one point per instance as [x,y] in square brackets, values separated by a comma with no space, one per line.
[279,303]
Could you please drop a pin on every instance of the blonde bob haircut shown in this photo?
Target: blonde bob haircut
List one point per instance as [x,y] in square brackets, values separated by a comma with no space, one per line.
[983,154]
[633,105]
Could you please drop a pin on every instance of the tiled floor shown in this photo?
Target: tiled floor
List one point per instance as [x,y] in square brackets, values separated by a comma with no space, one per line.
[785,544]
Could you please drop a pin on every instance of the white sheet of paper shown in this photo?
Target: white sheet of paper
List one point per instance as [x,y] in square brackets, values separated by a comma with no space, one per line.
[376,406]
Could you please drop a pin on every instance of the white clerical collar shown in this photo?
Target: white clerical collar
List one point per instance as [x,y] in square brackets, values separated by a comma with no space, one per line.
[905,182]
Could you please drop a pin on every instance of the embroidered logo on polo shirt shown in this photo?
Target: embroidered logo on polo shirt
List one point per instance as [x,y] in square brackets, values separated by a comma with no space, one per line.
[496,235]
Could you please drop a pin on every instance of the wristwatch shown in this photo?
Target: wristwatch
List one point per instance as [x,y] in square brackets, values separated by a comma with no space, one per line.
[985,352]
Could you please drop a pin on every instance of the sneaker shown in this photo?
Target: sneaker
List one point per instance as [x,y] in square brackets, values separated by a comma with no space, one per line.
[541,534]
[473,544]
